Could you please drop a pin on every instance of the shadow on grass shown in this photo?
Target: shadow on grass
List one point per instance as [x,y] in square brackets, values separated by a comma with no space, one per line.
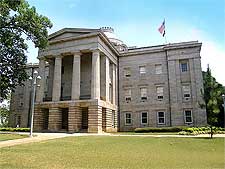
[205,138]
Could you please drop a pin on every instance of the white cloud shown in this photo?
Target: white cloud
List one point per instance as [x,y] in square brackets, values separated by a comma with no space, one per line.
[214,55]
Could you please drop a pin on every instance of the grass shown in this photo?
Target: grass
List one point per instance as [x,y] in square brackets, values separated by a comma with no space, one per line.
[107,152]
[5,136]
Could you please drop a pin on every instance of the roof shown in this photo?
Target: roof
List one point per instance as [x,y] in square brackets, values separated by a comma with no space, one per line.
[160,48]
[107,34]
[72,30]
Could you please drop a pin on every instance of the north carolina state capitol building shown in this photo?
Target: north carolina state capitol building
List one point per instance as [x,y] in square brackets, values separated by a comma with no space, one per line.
[92,82]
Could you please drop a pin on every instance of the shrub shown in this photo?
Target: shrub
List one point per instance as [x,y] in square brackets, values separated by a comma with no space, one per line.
[182,130]
[163,129]
[183,133]
[15,129]
[202,130]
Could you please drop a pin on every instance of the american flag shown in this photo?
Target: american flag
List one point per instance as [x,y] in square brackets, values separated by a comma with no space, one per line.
[162,29]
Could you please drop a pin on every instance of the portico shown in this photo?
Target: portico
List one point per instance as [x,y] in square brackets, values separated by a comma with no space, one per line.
[81,88]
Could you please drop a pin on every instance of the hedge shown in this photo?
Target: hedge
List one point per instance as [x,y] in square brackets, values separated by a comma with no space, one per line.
[182,130]
[201,130]
[15,129]
[158,130]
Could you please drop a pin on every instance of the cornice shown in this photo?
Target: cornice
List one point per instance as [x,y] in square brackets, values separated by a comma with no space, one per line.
[71,30]
[160,48]
[74,38]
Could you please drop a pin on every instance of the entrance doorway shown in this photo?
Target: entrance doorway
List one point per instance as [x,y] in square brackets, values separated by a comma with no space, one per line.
[84,125]
[65,118]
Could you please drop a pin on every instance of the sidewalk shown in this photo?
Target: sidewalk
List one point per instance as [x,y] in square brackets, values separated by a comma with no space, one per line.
[41,137]
[48,136]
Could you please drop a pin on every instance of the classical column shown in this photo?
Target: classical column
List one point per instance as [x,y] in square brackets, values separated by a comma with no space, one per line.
[50,77]
[116,86]
[107,78]
[56,92]
[95,78]
[75,95]
[40,89]
[113,84]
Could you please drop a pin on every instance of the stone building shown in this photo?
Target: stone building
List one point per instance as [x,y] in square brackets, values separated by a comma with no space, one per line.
[91,81]
[20,103]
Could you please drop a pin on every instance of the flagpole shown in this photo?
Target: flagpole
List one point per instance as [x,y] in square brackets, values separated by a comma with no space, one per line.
[165,39]
[162,30]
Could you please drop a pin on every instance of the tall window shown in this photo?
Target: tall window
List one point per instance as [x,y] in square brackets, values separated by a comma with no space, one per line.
[144,118]
[188,116]
[128,95]
[184,65]
[159,91]
[158,69]
[143,93]
[128,119]
[142,70]
[186,92]
[161,117]
[127,72]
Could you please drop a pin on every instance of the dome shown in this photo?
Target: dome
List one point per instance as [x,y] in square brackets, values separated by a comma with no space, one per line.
[109,32]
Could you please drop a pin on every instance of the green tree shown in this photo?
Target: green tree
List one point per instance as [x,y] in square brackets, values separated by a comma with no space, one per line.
[18,22]
[4,116]
[213,99]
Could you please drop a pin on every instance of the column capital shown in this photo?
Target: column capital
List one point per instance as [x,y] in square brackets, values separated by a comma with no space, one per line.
[76,53]
[50,60]
[58,56]
[95,51]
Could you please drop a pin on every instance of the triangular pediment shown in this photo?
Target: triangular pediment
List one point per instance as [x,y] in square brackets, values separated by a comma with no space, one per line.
[70,33]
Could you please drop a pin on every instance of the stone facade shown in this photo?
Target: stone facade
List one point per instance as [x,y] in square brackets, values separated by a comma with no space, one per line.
[20,103]
[93,83]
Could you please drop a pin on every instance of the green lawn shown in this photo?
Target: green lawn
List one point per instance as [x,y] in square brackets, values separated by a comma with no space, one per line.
[4,136]
[116,152]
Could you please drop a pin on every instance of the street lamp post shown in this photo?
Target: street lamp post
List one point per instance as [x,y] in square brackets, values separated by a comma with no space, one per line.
[34,85]
[223,96]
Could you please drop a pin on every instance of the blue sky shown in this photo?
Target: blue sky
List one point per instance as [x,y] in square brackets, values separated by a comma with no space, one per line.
[136,23]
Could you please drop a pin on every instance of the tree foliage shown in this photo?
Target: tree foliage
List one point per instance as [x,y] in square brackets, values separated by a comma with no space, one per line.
[213,98]
[18,22]
[4,116]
